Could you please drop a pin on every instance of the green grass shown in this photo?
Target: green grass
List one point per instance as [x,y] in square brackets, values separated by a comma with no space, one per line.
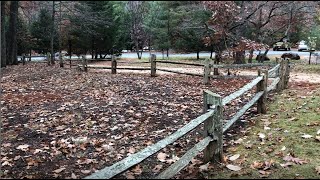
[291,115]
[307,68]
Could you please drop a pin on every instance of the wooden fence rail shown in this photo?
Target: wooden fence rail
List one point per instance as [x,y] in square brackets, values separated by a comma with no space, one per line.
[212,118]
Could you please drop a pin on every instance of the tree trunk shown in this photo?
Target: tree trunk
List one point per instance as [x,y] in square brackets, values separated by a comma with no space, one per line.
[52,33]
[12,45]
[92,48]
[197,54]
[3,36]
[262,57]
[162,54]
[60,40]
[211,53]
[250,56]
[30,54]
[138,53]
[70,51]
[168,53]
[216,61]
[239,57]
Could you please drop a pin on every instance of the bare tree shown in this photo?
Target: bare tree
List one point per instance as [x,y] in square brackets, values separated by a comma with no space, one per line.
[138,35]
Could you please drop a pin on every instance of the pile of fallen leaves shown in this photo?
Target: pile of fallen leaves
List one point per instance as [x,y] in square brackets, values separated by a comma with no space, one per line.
[63,123]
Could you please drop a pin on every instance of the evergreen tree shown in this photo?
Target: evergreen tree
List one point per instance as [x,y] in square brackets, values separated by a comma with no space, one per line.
[40,31]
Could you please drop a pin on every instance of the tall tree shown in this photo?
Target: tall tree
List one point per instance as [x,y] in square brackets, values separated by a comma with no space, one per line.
[191,30]
[12,33]
[52,33]
[40,31]
[3,36]
[137,10]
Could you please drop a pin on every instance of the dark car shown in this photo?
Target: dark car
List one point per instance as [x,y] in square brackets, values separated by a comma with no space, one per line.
[294,56]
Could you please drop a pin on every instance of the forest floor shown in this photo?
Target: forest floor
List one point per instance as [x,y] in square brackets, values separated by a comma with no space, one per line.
[63,123]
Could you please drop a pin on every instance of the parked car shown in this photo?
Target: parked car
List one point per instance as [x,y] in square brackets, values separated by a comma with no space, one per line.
[281,45]
[302,46]
[290,55]
[56,55]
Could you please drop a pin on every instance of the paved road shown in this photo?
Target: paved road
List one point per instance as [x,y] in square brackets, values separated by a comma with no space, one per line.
[194,55]
[206,54]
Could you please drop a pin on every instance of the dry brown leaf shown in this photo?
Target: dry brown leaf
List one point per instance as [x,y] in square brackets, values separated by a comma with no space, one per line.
[256,165]
[85,171]
[73,176]
[130,176]
[261,135]
[307,136]
[204,167]
[233,167]
[162,157]
[137,169]
[23,147]
[6,145]
[239,141]
[295,160]
[264,173]
[157,168]
[57,171]
[37,151]
[234,157]
[268,164]
[16,158]
[131,150]
[318,170]
[287,164]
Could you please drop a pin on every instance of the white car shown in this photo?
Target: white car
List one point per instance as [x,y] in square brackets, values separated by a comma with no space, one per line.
[302,46]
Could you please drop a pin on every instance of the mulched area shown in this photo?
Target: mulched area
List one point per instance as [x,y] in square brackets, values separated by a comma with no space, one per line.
[63,123]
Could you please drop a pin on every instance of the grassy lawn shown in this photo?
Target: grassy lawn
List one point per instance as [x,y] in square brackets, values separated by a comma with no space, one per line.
[307,68]
[291,117]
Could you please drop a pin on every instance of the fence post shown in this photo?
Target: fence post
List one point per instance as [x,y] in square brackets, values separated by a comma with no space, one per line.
[280,72]
[206,72]
[153,65]
[23,59]
[113,65]
[84,64]
[286,73]
[60,60]
[262,86]
[213,127]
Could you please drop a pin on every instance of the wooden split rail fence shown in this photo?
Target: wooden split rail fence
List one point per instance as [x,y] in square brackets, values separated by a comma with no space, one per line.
[153,67]
[212,143]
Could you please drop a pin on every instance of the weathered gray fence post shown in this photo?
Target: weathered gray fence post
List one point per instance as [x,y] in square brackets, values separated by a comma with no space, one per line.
[60,60]
[280,74]
[23,59]
[113,65]
[206,72]
[286,73]
[213,127]
[262,86]
[153,65]
[84,64]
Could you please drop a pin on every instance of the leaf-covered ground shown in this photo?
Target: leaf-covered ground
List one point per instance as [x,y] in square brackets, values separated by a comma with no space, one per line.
[63,123]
